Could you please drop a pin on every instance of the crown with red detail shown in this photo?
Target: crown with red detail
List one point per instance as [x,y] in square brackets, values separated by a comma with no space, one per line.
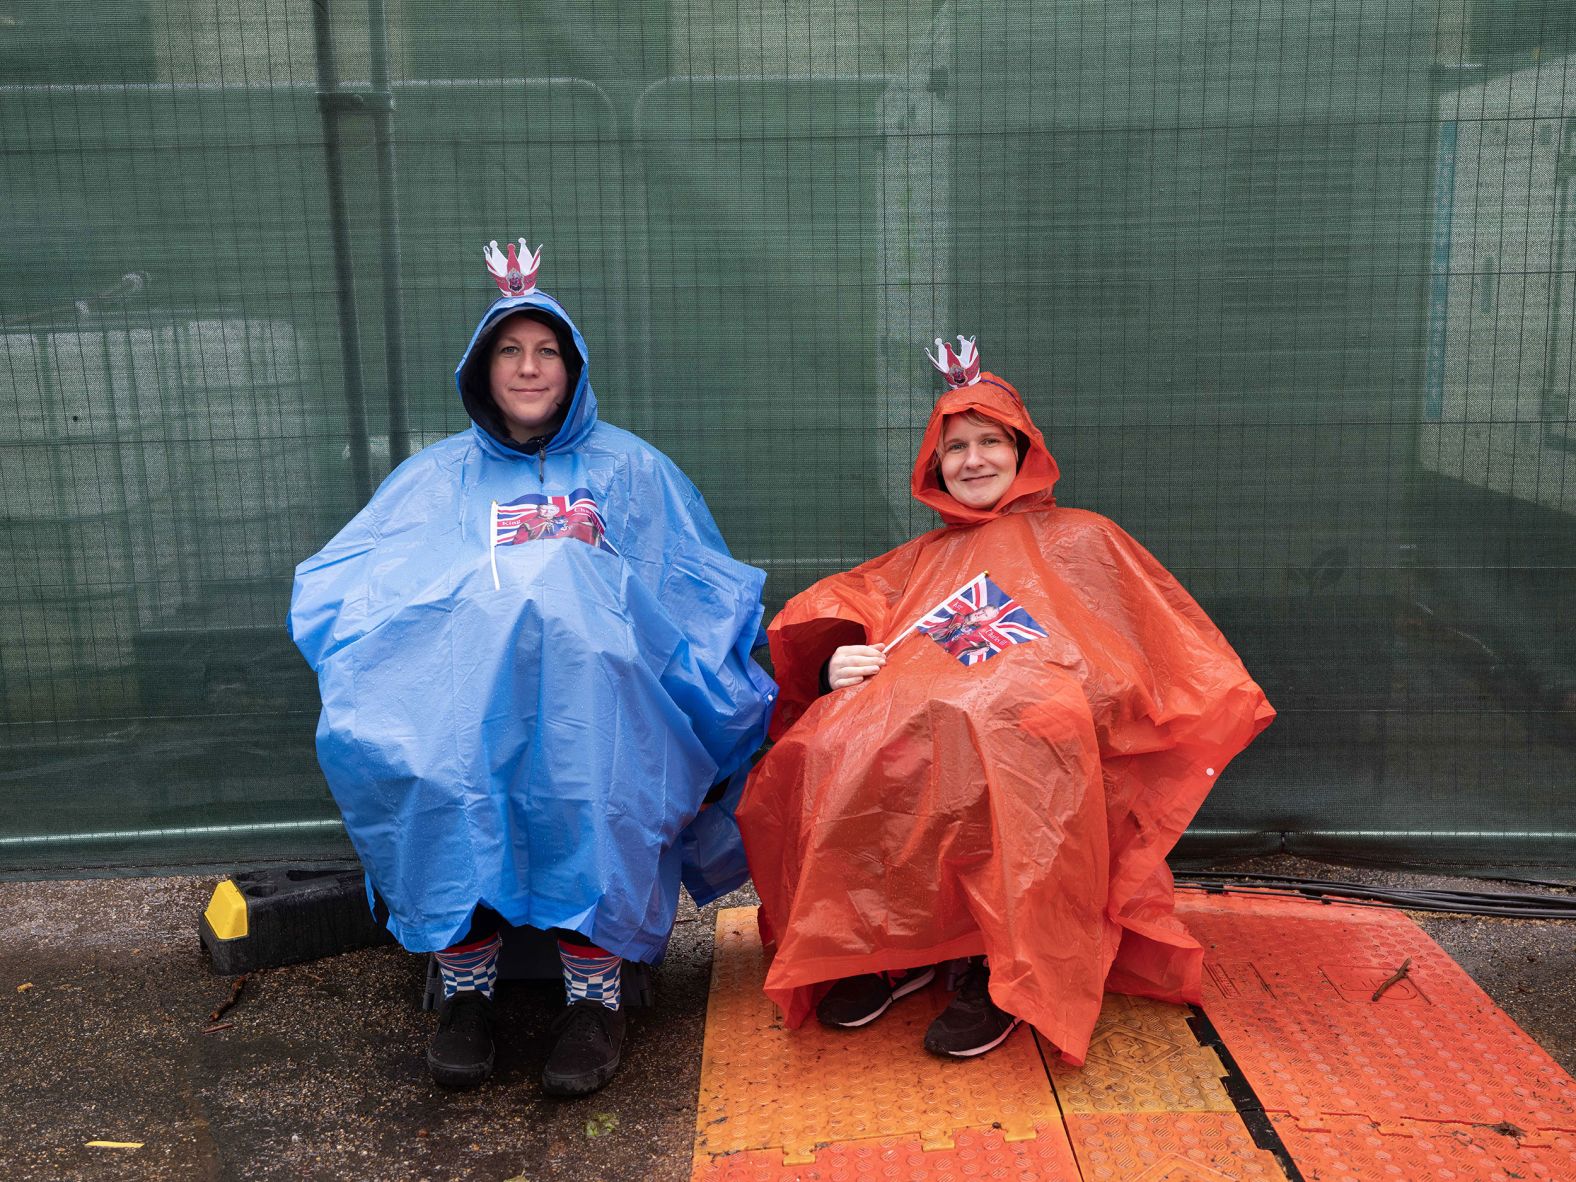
[960,366]
[512,277]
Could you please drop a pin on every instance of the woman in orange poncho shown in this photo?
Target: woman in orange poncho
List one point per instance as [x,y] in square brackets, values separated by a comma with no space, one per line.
[1005,774]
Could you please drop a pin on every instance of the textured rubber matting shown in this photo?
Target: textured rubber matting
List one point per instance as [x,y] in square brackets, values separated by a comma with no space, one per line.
[1342,1147]
[975,1155]
[1169,1147]
[1148,1104]
[766,1088]
[1431,1080]
[1143,1057]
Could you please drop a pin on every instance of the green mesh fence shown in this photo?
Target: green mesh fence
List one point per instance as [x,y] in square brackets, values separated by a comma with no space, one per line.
[1288,284]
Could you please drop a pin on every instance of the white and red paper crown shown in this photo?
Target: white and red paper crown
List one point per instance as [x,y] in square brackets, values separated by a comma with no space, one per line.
[512,277]
[961,366]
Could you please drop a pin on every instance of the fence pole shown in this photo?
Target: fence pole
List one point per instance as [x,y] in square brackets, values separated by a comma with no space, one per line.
[382,100]
[330,102]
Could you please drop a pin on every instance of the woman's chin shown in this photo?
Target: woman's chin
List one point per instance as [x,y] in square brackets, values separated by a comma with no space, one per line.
[982,499]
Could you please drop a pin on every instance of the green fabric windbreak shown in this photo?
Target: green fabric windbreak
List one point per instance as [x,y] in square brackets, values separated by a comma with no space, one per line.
[1289,286]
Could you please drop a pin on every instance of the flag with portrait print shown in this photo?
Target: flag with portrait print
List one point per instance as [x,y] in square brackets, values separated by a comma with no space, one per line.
[978,621]
[537,517]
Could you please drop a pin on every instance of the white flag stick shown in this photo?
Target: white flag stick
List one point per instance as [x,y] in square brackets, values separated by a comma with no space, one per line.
[909,631]
[492,544]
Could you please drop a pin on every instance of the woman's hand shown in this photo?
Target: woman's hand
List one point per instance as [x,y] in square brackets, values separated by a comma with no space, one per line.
[852,663]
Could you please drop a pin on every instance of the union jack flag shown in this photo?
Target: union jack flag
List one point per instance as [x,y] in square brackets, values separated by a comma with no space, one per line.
[536,517]
[978,621]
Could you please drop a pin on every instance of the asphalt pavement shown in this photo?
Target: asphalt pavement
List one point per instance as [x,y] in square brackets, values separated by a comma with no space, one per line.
[316,1070]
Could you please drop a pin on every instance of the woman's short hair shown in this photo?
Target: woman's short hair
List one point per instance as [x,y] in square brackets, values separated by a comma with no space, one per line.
[980,419]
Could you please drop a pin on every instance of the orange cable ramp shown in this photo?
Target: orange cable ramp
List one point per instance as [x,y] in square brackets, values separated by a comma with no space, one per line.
[1430,1081]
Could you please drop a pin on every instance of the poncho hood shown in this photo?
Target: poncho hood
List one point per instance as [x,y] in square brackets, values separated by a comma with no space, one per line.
[471,379]
[1037,471]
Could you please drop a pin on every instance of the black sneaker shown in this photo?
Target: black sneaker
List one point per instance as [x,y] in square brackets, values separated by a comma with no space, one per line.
[854,1001]
[589,1039]
[460,1054]
[972,1024]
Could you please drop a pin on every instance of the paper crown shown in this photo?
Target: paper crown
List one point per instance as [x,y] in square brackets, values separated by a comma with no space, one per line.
[961,367]
[507,272]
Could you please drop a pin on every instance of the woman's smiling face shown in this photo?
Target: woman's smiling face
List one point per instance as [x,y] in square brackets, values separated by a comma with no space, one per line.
[979,458]
[529,376]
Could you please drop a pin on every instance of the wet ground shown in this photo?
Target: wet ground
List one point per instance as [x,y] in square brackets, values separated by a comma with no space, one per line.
[316,1071]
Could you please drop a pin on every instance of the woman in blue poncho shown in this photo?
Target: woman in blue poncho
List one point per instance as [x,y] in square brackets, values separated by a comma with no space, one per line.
[533,650]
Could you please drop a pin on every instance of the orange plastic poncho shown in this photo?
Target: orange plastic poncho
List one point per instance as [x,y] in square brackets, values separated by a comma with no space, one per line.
[1021,807]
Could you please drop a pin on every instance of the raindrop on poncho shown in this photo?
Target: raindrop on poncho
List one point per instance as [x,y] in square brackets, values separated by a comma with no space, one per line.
[534,666]
[1010,789]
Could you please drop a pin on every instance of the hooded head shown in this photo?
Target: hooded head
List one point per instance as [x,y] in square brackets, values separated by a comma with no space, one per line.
[993,398]
[515,320]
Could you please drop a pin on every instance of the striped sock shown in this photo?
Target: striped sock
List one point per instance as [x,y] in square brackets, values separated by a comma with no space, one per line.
[470,966]
[591,974]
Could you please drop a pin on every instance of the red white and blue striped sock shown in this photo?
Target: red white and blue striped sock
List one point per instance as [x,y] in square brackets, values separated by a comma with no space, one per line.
[591,974]
[470,966]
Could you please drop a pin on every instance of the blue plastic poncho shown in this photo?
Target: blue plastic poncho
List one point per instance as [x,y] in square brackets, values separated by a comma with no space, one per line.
[533,667]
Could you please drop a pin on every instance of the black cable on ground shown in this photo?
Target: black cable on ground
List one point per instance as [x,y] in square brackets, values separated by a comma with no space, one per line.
[1503,905]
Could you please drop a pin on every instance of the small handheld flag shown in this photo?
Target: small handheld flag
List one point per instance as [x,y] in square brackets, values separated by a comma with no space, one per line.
[538,517]
[976,622]
[909,631]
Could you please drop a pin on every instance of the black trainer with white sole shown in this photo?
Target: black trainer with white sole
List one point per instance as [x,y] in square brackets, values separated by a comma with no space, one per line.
[857,1001]
[972,1024]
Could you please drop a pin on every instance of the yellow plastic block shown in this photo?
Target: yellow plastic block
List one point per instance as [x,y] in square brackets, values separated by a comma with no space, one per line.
[226,913]
[1143,1057]
[764,1087]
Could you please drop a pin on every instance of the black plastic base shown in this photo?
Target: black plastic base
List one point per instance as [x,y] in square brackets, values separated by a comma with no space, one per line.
[294,915]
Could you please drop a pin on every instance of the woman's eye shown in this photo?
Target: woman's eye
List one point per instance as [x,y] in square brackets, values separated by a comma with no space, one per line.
[550,352]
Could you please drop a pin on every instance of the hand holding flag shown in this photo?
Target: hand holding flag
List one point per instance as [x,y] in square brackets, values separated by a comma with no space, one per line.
[907,632]
[852,663]
[976,622]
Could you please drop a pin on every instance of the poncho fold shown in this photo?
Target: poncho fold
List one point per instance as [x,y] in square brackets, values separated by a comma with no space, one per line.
[1021,806]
